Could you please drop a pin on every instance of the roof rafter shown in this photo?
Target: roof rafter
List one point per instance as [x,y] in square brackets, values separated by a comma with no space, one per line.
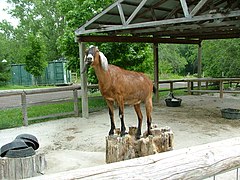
[136,11]
[135,39]
[198,7]
[185,8]
[167,22]
[184,19]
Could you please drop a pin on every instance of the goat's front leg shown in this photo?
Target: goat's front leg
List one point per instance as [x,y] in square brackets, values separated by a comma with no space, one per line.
[121,116]
[111,114]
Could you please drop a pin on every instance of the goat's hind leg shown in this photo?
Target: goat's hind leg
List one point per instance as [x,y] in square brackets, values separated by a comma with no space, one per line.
[111,114]
[148,105]
[140,117]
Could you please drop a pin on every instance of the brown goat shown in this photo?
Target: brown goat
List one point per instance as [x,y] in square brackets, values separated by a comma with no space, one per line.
[122,86]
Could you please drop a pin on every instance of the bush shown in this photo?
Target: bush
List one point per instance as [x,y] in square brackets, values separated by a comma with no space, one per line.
[5,74]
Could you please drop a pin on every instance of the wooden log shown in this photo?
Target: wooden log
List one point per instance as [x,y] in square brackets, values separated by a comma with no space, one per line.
[19,168]
[127,147]
[193,163]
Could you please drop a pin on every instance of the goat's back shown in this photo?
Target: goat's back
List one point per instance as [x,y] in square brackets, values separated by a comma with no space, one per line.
[132,86]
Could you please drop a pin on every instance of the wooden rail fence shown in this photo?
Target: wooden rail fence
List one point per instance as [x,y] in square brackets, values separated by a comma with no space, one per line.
[204,82]
[25,104]
[194,163]
[190,89]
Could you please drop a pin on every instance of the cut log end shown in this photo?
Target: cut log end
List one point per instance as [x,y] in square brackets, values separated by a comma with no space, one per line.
[128,147]
[20,168]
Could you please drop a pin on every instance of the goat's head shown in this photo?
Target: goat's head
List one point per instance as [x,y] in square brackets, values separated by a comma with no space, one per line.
[94,57]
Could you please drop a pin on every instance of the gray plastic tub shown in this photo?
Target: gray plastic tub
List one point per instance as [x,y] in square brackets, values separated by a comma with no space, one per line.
[230,113]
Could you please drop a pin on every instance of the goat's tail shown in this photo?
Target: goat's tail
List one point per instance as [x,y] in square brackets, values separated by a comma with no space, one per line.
[154,89]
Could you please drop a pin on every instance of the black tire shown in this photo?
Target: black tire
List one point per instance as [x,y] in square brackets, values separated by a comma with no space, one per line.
[19,153]
[31,138]
[16,144]
[30,143]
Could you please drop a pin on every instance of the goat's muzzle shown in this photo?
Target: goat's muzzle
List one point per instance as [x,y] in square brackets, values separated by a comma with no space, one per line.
[86,66]
[87,63]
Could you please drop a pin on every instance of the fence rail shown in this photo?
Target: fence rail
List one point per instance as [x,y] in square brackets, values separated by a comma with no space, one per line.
[204,82]
[197,162]
[25,104]
[189,86]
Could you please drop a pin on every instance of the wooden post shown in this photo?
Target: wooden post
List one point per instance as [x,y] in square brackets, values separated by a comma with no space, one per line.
[189,87]
[21,168]
[75,101]
[171,86]
[199,64]
[221,84]
[156,70]
[127,147]
[85,110]
[24,108]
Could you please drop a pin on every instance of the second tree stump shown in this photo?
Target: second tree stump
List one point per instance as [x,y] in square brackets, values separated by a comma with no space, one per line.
[127,147]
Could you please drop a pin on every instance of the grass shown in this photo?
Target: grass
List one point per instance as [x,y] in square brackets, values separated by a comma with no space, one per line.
[11,87]
[10,118]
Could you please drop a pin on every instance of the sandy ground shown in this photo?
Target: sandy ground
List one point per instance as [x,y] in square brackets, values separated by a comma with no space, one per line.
[73,143]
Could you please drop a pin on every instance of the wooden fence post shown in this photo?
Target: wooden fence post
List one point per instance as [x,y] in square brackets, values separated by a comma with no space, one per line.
[75,100]
[24,108]
[221,84]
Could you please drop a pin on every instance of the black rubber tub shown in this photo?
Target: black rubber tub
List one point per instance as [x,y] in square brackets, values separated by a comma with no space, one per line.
[230,113]
[173,102]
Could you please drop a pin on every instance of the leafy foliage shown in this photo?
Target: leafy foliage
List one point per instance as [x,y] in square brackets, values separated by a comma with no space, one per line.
[221,58]
[35,57]
[4,72]
[170,59]
[51,25]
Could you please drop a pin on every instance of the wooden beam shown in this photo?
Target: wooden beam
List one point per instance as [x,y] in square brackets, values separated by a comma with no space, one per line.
[120,10]
[175,21]
[133,39]
[197,162]
[136,11]
[156,70]
[85,109]
[185,8]
[82,28]
[198,7]
[200,61]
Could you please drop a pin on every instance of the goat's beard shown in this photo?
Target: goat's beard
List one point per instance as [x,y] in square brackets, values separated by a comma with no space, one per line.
[86,66]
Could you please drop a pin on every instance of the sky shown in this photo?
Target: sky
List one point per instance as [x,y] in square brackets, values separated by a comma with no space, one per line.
[5,15]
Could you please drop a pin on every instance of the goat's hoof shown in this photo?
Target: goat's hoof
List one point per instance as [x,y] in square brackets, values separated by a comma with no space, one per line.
[111,133]
[123,134]
[137,137]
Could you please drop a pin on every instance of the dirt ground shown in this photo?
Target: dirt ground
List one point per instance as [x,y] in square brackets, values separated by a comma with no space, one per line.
[73,143]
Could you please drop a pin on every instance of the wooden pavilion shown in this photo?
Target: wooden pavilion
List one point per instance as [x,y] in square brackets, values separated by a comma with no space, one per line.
[160,21]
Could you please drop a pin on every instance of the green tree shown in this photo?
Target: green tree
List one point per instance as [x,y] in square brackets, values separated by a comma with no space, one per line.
[35,57]
[130,56]
[170,59]
[5,73]
[38,17]
[75,13]
[221,58]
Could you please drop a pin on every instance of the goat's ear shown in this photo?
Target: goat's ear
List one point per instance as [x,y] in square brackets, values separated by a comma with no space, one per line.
[104,61]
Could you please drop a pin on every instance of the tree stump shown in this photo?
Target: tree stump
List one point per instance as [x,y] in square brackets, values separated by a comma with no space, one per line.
[19,168]
[127,147]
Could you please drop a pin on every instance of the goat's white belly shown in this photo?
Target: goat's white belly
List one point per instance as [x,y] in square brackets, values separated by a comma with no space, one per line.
[127,102]
[132,102]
